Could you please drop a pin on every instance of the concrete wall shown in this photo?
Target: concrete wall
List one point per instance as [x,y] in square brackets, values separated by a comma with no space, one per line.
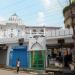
[51,41]
[55,41]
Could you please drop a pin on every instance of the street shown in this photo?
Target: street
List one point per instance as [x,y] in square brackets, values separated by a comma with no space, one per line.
[12,72]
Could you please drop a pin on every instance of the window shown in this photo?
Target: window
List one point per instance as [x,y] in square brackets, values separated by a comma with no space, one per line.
[21,41]
[68,26]
[11,29]
[34,30]
[42,30]
[1,27]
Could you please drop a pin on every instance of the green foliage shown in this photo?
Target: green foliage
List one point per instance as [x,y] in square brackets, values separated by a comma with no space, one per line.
[73,1]
[68,6]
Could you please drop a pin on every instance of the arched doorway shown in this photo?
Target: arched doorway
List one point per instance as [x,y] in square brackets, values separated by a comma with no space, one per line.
[37,56]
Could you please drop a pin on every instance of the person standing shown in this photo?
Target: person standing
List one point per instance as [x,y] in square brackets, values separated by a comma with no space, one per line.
[66,58]
[18,65]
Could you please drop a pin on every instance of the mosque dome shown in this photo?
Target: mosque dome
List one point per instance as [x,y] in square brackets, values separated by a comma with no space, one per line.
[15,19]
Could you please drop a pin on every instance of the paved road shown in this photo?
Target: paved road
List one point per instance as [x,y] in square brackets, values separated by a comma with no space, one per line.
[12,72]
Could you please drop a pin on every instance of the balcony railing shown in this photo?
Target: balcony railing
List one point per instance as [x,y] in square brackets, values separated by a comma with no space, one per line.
[59,33]
[49,35]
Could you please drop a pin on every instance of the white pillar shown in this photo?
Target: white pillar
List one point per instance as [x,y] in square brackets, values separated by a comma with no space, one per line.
[30,33]
[8,54]
[4,33]
[44,31]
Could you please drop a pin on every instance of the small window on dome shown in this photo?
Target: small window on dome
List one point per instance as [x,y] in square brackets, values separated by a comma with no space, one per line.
[11,29]
[10,19]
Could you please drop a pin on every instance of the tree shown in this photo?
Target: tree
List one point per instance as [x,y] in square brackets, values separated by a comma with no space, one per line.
[73,1]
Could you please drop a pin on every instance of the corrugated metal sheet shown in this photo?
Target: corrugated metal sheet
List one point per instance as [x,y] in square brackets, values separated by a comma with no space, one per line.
[21,53]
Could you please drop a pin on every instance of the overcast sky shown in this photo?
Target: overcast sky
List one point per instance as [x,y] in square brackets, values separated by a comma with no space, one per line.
[34,12]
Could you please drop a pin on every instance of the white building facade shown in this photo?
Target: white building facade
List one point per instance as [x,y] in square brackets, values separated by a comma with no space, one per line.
[36,38]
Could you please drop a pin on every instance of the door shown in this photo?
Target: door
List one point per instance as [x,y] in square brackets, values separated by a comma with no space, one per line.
[37,59]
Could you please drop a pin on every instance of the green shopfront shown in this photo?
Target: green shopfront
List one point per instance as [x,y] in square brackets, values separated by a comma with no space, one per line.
[38,59]
[37,53]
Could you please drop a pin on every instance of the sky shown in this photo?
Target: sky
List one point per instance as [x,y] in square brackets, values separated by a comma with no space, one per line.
[34,12]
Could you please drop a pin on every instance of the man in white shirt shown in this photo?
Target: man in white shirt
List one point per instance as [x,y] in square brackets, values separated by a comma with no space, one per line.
[18,65]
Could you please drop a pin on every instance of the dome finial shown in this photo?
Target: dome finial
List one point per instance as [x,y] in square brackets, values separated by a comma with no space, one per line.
[14,14]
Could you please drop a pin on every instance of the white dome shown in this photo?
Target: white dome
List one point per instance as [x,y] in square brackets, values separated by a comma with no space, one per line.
[15,19]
